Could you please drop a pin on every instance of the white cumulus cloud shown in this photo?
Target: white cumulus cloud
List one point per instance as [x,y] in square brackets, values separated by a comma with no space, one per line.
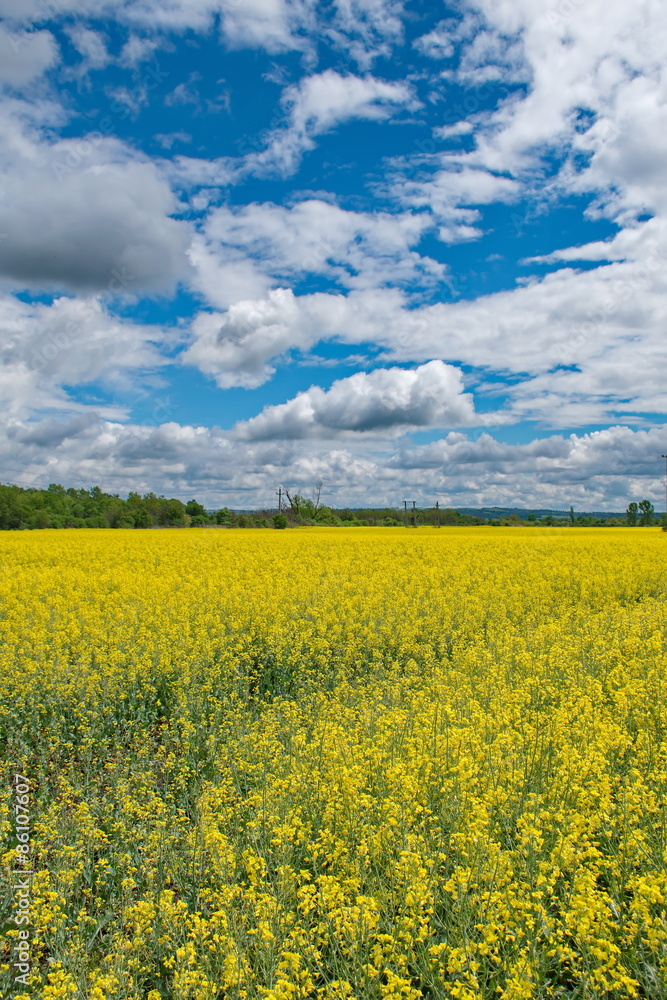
[319,103]
[243,251]
[387,400]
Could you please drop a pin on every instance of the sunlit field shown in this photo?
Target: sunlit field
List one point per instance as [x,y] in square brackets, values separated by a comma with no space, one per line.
[337,763]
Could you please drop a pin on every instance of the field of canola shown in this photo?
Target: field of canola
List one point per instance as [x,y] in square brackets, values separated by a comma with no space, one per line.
[338,763]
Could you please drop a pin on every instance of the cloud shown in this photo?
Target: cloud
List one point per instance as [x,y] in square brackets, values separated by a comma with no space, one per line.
[22,11]
[244,251]
[51,432]
[274,25]
[597,471]
[72,342]
[367,29]
[605,59]
[91,46]
[185,93]
[85,215]
[26,55]
[235,347]
[438,43]
[570,99]
[241,346]
[450,194]
[572,348]
[317,104]
[137,49]
[387,400]
[583,460]
[167,139]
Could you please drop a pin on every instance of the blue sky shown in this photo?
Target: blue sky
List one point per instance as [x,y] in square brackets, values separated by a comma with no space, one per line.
[393,246]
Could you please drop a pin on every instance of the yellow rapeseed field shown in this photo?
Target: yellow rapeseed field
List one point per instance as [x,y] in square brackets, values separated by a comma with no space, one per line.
[336,763]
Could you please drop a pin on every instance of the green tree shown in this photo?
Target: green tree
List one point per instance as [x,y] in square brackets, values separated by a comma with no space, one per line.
[279,521]
[11,508]
[153,505]
[172,513]
[648,510]
[115,513]
[224,516]
[195,509]
[42,518]
[450,517]
[296,502]
[97,521]
[325,515]
[307,509]
[632,513]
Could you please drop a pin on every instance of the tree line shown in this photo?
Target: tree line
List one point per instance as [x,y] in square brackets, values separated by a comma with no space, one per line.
[24,508]
[57,507]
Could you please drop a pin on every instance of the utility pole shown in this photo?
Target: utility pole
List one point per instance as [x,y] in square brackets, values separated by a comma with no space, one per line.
[405,508]
[437,513]
[414,515]
[280,500]
[664,523]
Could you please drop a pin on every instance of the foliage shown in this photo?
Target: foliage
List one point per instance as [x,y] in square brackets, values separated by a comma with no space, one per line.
[57,507]
[641,512]
[336,764]
[196,510]
[647,509]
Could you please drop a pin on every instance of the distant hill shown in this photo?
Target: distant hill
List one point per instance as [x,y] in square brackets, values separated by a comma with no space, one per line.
[491,513]
[496,513]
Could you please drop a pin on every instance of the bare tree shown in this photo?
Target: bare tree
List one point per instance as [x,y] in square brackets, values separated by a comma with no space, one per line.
[301,506]
[293,499]
[318,493]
